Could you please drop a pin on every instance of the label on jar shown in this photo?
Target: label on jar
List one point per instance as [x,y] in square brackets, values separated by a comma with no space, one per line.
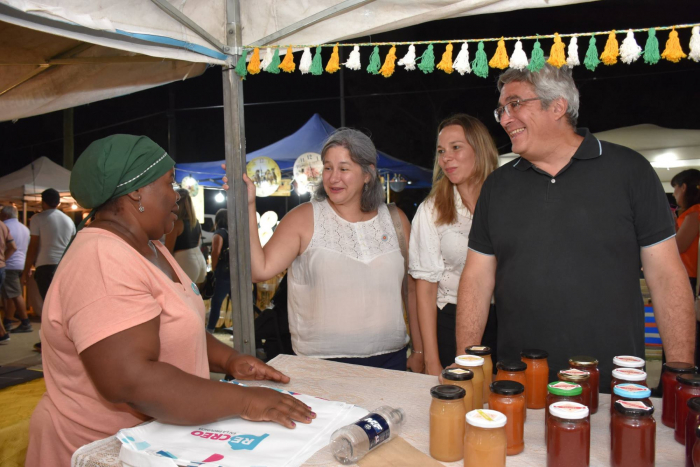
[564,386]
[376,428]
[629,359]
[478,347]
[458,371]
[632,387]
[634,405]
[568,410]
[630,372]
[575,372]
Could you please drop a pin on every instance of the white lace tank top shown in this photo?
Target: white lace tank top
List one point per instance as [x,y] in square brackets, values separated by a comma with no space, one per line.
[344,295]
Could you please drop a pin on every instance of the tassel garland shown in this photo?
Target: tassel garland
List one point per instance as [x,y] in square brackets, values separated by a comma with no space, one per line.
[591,61]
[537,58]
[254,63]
[388,68]
[374,62]
[287,65]
[611,51]
[480,64]
[305,62]
[461,63]
[630,51]
[353,62]
[333,64]
[427,60]
[557,57]
[267,60]
[518,60]
[446,62]
[572,59]
[673,52]
[241,66]
[695,45]
[317,63]
[500,58]
[651,49]
[409,60]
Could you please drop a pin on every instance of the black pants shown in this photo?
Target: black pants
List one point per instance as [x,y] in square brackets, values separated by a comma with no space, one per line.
[447,337]
[43,277]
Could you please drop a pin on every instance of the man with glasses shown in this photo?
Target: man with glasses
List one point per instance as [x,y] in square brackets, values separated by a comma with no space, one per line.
[561,233]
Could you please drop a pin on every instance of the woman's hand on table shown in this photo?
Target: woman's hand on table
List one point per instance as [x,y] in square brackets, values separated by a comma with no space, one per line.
[243,366]
[433,368]
[415,362]
[268,405]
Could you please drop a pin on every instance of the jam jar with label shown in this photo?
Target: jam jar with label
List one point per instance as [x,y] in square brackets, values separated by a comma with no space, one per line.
[670,372]
[687,387]
[628,361]
[536,377]
[485,353]
[462,378]
[485,443]
[580,377]
[629,392]
[589,364]
[447,423]
[568,435]
[633,434]
[561,391]
[627,375]
[475,364]
[507,397]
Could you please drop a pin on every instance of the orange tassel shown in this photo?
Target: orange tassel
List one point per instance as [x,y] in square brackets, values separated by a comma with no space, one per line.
[557,57]
[500,58]
[612,50]
[446,61]
[333,64]
[254,63]
[288,62]
[673,52]
[389,63]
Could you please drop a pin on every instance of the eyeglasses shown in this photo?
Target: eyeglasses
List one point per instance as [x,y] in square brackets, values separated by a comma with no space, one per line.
[514,106]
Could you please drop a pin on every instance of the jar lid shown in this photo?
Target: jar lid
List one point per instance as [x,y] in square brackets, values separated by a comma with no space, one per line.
[478,350]
[534,354]
[447,392]
[469,360]
[679,367]
[507,388]
[629,374]
[583,360]
[631,408]
[568,410]
[694,403]
[632,391]
[457,374]
[572,374]
[629,361]
[562,388]
[511,365]
[689,379]
[484,418]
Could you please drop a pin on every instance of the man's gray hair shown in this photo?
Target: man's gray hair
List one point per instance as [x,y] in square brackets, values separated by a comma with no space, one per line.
[363,153]
[550,83]
[9,211]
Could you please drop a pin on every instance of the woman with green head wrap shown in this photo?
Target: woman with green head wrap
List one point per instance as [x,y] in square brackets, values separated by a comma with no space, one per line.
[123,326]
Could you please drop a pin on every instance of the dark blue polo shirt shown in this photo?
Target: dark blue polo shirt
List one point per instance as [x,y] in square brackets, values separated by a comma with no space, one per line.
[568,252]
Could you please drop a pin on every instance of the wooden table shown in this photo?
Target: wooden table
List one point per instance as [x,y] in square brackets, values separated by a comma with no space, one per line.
[371,388]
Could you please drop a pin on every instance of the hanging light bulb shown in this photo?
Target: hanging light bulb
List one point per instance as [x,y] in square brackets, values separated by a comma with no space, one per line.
[74,207]
[219,198]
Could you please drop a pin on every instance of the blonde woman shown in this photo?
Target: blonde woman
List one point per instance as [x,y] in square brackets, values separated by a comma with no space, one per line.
[465,156]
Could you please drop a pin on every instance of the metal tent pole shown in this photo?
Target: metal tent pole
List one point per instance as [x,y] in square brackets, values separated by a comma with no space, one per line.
[237,204]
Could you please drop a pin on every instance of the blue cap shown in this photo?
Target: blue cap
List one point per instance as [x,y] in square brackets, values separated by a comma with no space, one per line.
[632,391]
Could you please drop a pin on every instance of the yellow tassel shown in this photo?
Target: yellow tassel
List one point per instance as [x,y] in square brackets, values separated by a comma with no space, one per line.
[446,62]
[288,62]
[333,64]
[500,58]
[612,50]
[388,68]
[557,57]
[254,63]
[673,52]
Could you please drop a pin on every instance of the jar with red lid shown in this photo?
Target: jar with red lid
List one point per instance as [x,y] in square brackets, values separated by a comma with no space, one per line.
[630,392]
[688,387]
[589,364]
[628,361]
[627,375]
[581,378]
[560,391]
[670,372]
[536,377]
[691,423]
[633,435]
[568,435]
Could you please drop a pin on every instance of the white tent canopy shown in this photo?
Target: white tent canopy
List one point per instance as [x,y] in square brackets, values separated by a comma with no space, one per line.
[27,183]
[669,151]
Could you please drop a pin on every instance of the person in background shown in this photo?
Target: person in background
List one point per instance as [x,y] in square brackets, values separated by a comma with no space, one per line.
[220,266]
[345,265]
[465,156]
[123,325]
[686,190]
[559,234]
[184,240]
[7,249]
[12,297]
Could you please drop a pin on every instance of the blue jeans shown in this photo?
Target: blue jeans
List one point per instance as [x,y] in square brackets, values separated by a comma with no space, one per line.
[222,288]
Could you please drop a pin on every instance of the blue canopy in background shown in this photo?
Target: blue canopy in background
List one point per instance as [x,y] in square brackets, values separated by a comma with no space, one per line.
[308,138]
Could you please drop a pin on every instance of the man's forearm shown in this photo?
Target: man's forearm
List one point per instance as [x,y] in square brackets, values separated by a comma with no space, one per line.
[675,317]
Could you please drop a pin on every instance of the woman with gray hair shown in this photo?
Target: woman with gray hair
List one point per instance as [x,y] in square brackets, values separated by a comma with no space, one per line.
[345,264]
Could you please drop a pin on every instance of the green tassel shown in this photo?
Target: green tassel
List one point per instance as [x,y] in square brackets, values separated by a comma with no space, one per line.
[316,65]
[375,62]
[537,58]
[241,66]
[592,59]
[480,65]
[273,67]
[651,49]
[427,60]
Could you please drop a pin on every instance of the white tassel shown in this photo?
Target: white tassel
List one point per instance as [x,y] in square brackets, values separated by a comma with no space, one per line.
[695,44]
[572,58]
[461,63]
[353,62]
[267,60]
[518,60]
[305,62]
[630,51]
[409,60]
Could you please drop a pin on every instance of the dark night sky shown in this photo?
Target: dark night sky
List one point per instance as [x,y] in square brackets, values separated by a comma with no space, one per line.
[401,112]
